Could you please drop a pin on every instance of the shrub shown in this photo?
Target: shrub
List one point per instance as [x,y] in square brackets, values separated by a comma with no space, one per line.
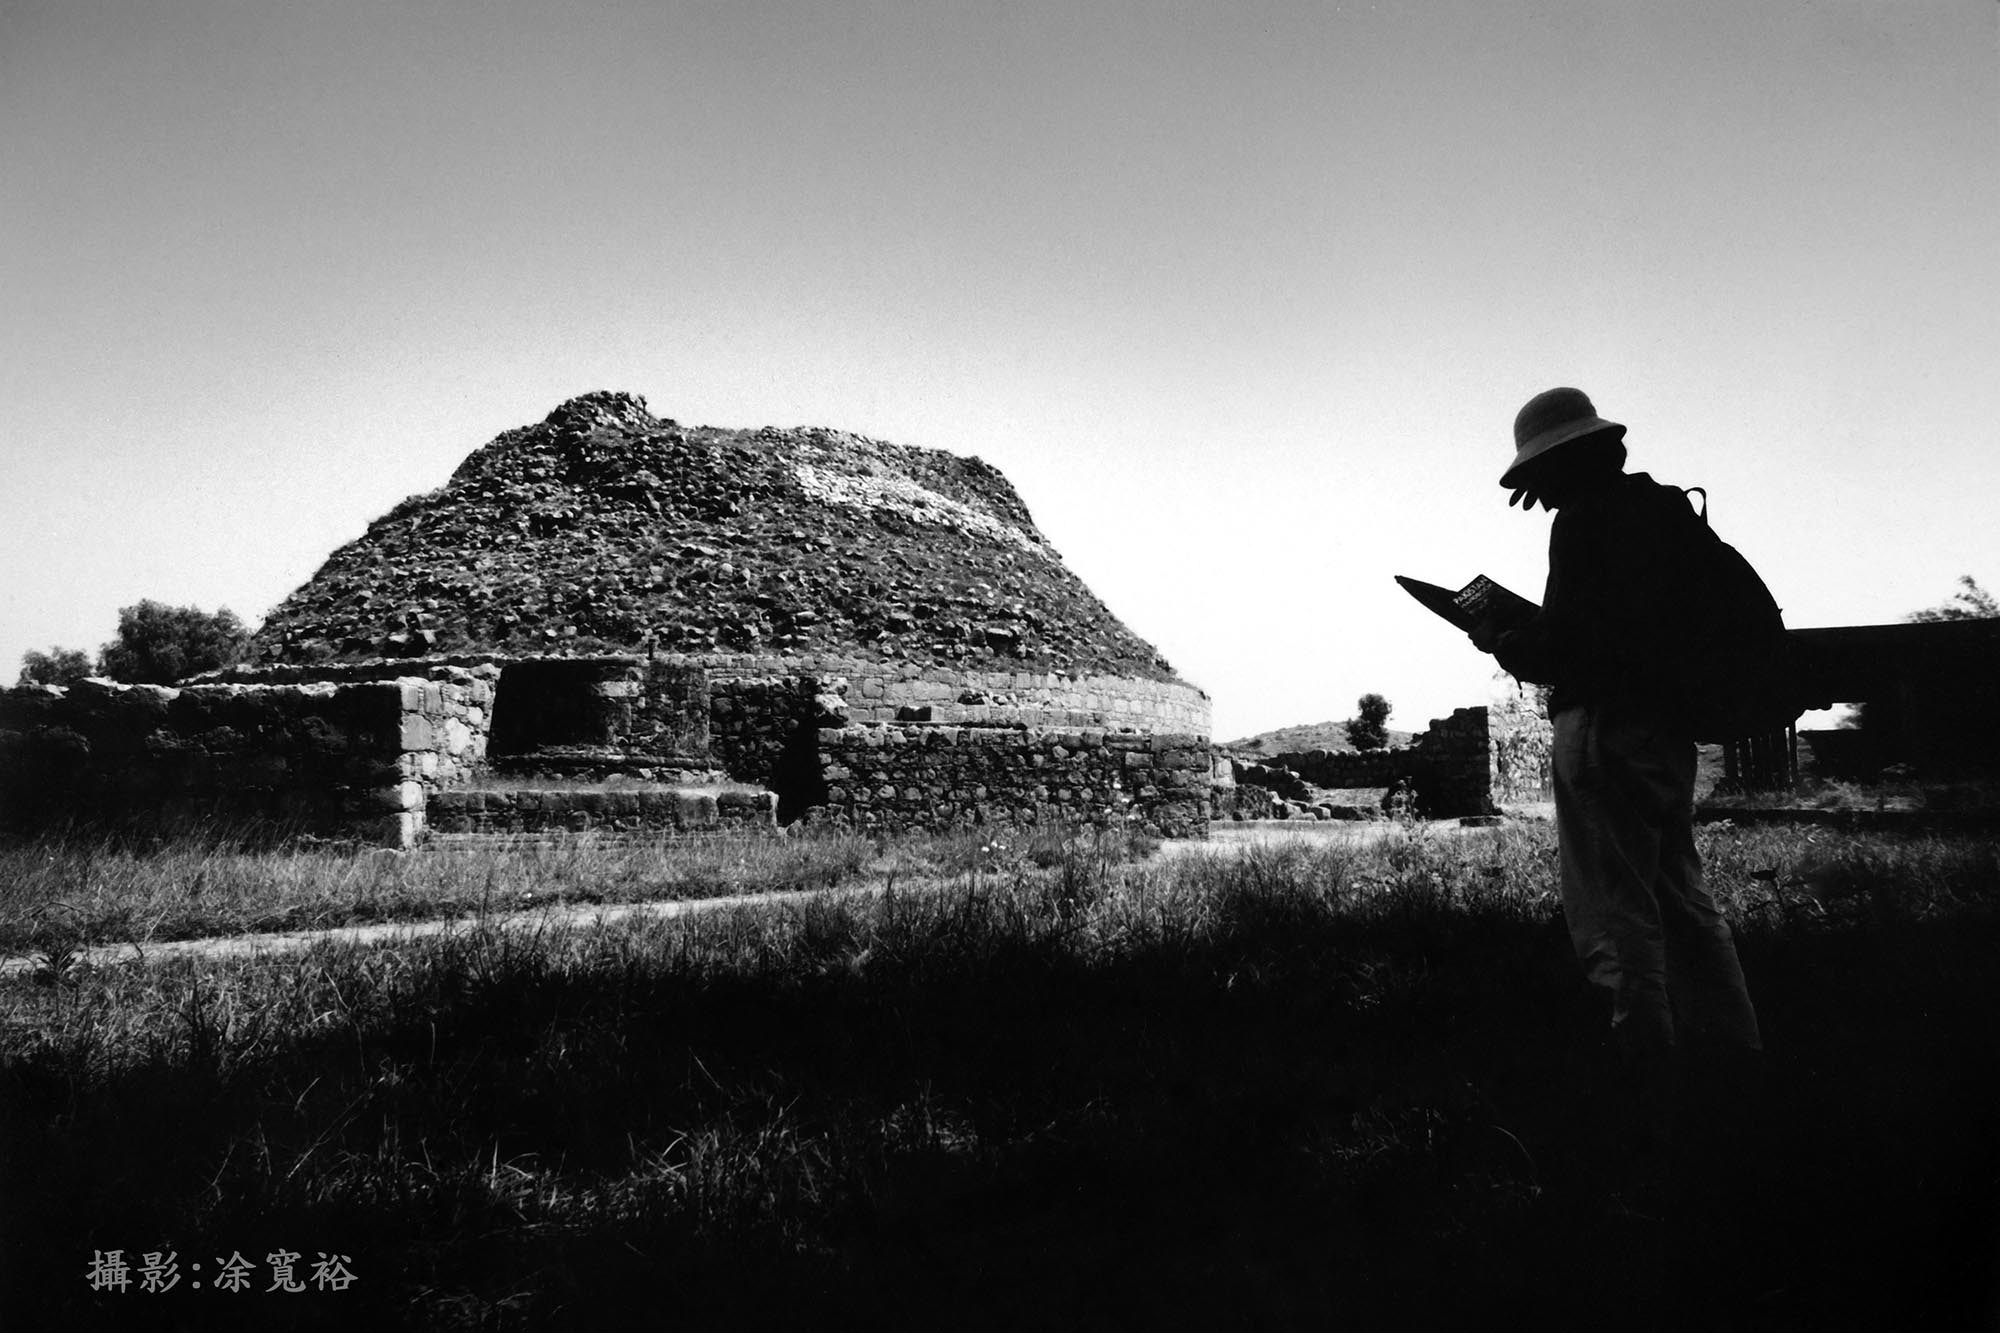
[57,666]
[1368,730]
[159,644]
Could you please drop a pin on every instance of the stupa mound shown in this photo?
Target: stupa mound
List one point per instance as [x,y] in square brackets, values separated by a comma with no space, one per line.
[605,529]
[608,623]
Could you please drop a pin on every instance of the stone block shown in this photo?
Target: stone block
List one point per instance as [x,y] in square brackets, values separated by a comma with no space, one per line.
[399,831]
[415,733]
[403,796]
[745,803]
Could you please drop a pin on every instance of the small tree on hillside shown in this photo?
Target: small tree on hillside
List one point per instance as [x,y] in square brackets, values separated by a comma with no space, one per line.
[1971,602]
[159,644]
[1367,730]
[57,666]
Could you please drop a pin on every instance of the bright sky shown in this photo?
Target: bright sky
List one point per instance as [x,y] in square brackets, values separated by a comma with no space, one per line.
[1243,297]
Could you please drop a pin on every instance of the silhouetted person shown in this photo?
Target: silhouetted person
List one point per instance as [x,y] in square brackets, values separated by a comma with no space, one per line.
[1643,925]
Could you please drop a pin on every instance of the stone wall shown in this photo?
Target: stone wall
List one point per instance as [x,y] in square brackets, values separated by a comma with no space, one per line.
[1350,768]
[356,759]
[1465,764]
[442,731]
[935,776]
[611,809]
[1457,776]
[888,692]
[912,747]
[878,691]
[754,718]
[866,743]
[592,717]
[1521,741]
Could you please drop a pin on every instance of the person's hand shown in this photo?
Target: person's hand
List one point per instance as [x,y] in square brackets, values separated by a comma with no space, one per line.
[1485,636]
[1527,499]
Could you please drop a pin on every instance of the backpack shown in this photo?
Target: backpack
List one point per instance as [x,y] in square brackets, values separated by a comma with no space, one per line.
[1740,674]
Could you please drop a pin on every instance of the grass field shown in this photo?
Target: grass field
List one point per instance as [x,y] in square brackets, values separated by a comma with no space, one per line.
[77,891]
[1028,1087]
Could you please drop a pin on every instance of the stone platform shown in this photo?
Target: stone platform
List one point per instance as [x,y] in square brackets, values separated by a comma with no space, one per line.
[661,810]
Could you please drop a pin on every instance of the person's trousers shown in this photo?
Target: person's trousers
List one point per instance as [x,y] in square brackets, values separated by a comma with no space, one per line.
[1643,925]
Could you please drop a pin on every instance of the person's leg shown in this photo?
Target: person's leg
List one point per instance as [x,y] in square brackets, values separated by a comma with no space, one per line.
[1610,860]
[1713,1218]
[1610,846]
[1704,975]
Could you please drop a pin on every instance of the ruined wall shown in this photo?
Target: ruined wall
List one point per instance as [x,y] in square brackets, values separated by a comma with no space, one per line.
[442,732]
[629,810]
[1458,763]
[864,743]
[353,759]
[1351,768]
[1521,742]
[889,692]
[1465,764]
[932,776]
[917,747]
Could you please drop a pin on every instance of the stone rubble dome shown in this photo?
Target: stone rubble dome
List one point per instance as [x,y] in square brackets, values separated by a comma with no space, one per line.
[604,528]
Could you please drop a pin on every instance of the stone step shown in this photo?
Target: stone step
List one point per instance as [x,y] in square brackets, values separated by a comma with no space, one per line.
[619,809]
[592,839]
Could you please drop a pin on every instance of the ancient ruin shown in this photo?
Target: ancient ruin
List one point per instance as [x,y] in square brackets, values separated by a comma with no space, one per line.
[1472,763]
[609,620]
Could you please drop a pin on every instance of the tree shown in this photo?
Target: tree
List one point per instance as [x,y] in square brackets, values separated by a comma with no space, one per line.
[159,644]
[1971,602]
[57,666]
[1366,731]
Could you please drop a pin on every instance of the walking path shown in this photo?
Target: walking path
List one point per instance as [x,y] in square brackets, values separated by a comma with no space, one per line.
[1223,840]
[551,915]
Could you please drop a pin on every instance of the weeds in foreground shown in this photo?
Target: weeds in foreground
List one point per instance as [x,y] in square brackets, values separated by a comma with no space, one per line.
[199,886]
[1319,1075]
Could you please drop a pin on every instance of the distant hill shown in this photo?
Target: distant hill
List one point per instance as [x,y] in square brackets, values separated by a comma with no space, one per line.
[1307,736]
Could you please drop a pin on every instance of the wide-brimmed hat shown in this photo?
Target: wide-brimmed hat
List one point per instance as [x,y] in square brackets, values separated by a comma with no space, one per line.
[1552,419]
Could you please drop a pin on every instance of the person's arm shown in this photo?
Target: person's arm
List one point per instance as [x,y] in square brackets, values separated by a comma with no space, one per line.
[1556,640]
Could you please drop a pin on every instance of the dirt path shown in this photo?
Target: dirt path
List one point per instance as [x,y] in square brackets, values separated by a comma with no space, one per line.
[550,916]
[1223,840]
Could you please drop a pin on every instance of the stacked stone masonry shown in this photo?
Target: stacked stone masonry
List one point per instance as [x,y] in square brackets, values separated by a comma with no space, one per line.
[1470,763]
[678,811]
[334,758]
[931,776]
[385,750]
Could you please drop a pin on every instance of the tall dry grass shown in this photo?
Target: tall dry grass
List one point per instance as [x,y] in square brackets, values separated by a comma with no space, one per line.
[1029,1084]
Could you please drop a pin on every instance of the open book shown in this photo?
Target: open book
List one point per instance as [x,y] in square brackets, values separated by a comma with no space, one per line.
[1481,599]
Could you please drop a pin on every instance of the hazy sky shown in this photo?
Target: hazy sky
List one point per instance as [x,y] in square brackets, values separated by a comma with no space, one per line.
[1242,297]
